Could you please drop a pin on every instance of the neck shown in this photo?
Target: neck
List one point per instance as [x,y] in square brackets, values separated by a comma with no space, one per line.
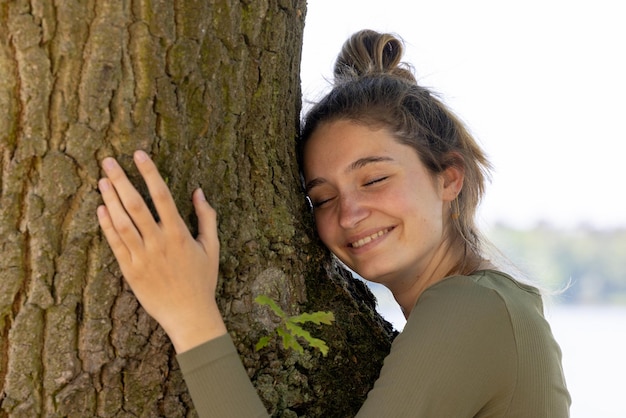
[445,262]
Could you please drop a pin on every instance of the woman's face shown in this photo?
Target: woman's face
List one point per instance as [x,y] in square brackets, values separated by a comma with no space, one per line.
[376,206]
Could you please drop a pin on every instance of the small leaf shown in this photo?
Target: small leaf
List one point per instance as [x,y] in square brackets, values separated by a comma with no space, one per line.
[263,342]
[289,341]
[289,330]
[320,345]
[312,341]
[315,317]
[297,330]
[266,300]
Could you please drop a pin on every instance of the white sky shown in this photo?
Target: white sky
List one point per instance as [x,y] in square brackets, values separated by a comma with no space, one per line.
[540,83]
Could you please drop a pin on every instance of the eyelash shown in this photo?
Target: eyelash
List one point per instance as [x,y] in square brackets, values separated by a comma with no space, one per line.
[376,180]
[315,205]
[369,183]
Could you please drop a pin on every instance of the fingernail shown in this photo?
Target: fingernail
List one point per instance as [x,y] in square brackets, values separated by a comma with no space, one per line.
[200,195]
[141,156]
[108,163]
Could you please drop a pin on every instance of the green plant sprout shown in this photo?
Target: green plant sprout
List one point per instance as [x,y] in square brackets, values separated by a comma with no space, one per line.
[289,329]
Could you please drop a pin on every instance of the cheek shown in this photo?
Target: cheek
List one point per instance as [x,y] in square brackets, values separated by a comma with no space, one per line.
[329,232]
[421,213]
[323,228]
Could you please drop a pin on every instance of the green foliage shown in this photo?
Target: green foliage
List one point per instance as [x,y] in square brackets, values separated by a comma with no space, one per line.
[588,262]
[289,328]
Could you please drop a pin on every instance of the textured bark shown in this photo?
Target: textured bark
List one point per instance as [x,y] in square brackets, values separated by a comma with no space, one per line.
[211,90]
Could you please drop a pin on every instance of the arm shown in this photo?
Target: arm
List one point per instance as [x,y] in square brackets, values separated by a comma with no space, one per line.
[455,357]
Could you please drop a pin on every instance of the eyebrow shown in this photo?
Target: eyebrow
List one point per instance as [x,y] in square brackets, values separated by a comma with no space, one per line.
[360,163]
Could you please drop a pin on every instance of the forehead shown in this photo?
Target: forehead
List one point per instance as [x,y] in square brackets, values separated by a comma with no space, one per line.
[345,134]
[340,143]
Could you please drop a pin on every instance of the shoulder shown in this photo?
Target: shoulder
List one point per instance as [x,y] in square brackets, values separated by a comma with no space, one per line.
[480,311]
[474,338]
[485,281]
[458,341]
[481,295]
[460,295]
[487,314]
[461,314]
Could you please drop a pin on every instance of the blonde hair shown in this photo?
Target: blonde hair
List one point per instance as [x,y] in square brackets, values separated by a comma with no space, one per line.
[373,87]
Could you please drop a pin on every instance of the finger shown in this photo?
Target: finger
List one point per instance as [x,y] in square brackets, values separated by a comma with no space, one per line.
[131,200]
[120,251]
[160,193]
[119,219]
[207,225]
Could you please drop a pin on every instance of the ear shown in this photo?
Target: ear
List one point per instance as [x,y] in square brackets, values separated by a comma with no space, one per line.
[452,177]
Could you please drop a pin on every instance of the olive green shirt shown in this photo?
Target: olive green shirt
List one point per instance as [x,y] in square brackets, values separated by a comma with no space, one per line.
[473,346]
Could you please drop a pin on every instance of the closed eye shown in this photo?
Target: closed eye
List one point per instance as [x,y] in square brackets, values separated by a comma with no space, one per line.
[376,180]
[319,203]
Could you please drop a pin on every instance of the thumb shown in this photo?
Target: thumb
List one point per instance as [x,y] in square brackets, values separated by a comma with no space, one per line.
[207,224]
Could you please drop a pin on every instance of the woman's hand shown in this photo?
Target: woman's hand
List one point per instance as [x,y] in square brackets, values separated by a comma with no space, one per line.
[173,275]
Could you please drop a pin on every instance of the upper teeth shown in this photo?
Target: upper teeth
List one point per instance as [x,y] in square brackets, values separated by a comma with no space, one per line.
[369,239]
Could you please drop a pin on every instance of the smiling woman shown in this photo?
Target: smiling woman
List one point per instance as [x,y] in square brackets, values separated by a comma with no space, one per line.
[395,179]
[391,117]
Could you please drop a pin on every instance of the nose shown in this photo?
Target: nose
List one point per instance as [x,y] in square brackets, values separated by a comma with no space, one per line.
[352,210]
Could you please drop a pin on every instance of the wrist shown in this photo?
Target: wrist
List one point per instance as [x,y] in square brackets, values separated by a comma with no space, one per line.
[197,331]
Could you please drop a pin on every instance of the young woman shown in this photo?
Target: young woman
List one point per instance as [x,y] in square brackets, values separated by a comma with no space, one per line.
[394,180]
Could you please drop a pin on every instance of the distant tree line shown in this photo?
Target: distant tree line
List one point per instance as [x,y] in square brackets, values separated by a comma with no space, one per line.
[588,263]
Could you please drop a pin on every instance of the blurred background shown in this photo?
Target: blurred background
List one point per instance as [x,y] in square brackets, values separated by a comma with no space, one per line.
[541,85]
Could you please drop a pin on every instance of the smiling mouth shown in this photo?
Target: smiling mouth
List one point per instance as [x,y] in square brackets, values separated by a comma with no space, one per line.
[368,239]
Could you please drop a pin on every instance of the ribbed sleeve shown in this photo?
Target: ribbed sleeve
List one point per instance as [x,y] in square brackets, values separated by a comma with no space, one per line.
[218,382]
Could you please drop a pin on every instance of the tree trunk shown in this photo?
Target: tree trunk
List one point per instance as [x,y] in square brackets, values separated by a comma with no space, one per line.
[211,90]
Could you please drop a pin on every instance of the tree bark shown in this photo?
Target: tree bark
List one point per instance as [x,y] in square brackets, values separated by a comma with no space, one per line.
[211,90]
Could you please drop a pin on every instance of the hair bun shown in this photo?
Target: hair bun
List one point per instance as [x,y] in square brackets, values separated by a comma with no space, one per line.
[368,52]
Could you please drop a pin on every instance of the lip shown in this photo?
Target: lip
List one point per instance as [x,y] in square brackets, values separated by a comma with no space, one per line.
[368,238]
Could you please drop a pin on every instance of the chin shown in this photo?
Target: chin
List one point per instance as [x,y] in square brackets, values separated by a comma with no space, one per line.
[373,276]
[372,272]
